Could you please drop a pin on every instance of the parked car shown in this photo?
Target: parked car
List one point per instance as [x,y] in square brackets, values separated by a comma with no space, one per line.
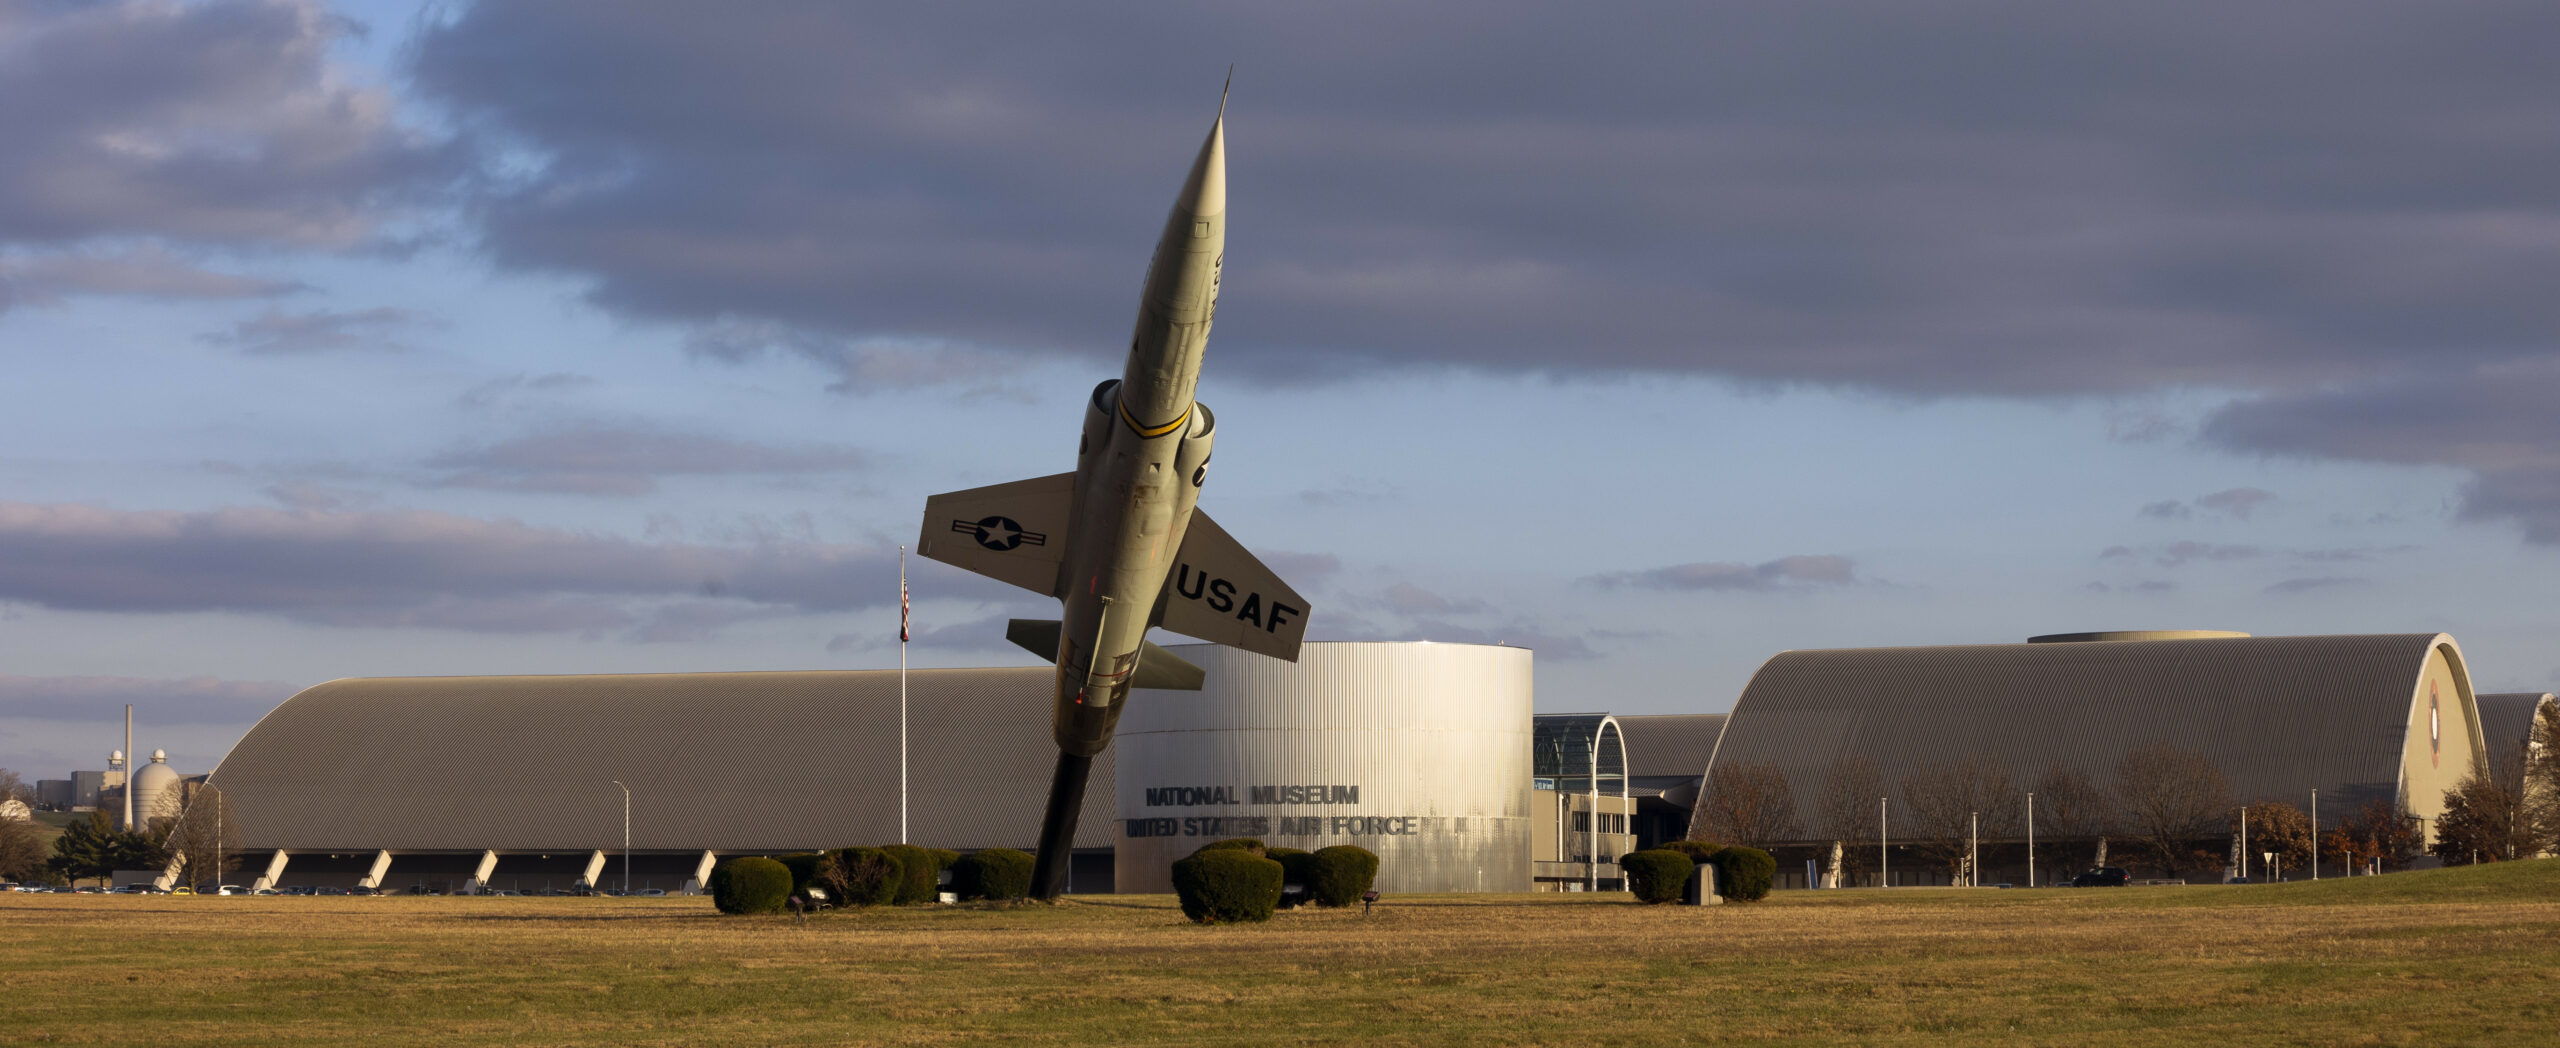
[266,891]
[651,893]
[362,890]
[330,890]
[298,889]
[231,889]
[2103,877]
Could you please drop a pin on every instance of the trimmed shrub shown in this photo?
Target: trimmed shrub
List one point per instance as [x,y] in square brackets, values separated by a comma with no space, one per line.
[1229,885]
[1657,875]
[1298,867]
[1341,873]
[996,873]
[1743,874]
[917,870]
[1699,852]
[804,870]
[750,885]
[1241,844]
[861,876]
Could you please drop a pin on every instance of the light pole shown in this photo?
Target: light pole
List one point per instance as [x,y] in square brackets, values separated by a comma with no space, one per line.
[2244,842]
[2031,840]
[626,837]
[2315,833]
[1884,857]
[1973,850]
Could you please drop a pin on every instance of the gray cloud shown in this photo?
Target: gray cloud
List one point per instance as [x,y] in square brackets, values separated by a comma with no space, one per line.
[1301,570]
[2231,502]
[2237,502]
[318,331]
[2146,586]
[214,122]
[623,460]
[858,365]
[2494,421]
[1797,572]
[143,271]
[188,700]
[2004,197]
[2291,587]
[2184,551]
[1405,598]
[305,495]
[496,390]
[423,569]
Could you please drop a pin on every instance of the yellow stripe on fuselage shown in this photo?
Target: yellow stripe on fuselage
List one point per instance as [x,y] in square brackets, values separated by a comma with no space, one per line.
[1152,432]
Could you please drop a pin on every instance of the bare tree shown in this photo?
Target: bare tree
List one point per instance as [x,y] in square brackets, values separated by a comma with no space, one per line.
[1747,804]
[2376,832]
[2073,819]
[1949,801]
[1846,812]
[15,788]
[2542,781]
[23,854]
[2171,799]
[197,826]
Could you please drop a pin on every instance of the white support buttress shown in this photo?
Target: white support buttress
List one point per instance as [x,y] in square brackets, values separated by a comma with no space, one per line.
[701,874]
[480,874]
[275,872]
[595,869]
[381,868]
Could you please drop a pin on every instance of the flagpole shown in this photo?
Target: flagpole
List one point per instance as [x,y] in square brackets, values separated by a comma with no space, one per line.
[902,695]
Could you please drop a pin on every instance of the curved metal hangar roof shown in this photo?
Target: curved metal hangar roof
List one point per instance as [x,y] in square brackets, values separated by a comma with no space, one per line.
[717,761]
[2356,717]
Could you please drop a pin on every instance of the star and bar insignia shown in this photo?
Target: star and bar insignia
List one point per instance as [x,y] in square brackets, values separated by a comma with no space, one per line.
[1001,534]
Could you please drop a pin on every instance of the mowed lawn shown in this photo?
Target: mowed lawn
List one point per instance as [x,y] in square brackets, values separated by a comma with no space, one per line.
[2445,957]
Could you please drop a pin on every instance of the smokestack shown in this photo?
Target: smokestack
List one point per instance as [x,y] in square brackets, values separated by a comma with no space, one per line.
[128,766]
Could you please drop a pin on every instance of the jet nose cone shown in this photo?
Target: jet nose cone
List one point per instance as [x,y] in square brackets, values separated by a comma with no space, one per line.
[1205,192]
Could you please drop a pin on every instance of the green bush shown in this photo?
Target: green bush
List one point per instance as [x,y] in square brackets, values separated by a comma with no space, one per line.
[1240,844]
[917,868]
[1743,874]
[996,873]
[804,870]
[1298,867]
[750,885]
[1341,873]
[1228,885]
[861,876]
[1657,875]
[1699,852]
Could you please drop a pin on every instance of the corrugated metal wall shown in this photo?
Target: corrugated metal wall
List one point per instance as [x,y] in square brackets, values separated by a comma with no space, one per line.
[1434,737]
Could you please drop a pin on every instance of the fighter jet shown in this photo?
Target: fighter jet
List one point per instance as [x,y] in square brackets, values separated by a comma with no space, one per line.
[1119,540]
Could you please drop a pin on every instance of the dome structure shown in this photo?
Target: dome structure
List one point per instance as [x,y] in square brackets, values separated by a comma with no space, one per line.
[155,789]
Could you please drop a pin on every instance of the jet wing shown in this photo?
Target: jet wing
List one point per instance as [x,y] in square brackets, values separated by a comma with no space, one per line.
[1014,533]
[1220,593]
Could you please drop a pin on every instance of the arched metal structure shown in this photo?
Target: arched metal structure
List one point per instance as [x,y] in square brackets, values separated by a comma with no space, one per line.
[2360,717]
[1581,753]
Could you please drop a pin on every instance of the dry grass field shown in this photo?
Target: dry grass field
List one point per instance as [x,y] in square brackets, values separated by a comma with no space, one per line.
[2444,957]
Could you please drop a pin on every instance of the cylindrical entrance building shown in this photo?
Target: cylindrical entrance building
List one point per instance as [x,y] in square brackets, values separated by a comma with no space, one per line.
[1416,751]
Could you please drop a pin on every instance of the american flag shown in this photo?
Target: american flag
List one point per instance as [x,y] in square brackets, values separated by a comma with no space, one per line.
[902,599]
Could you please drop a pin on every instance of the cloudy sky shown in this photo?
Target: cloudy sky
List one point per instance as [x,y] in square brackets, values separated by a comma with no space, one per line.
[398,338]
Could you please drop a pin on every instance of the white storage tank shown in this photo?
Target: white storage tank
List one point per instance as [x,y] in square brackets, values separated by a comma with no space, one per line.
[1416,751]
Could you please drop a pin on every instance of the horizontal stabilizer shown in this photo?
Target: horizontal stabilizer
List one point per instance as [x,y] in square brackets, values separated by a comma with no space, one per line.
[1014,533]
[1158,669]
